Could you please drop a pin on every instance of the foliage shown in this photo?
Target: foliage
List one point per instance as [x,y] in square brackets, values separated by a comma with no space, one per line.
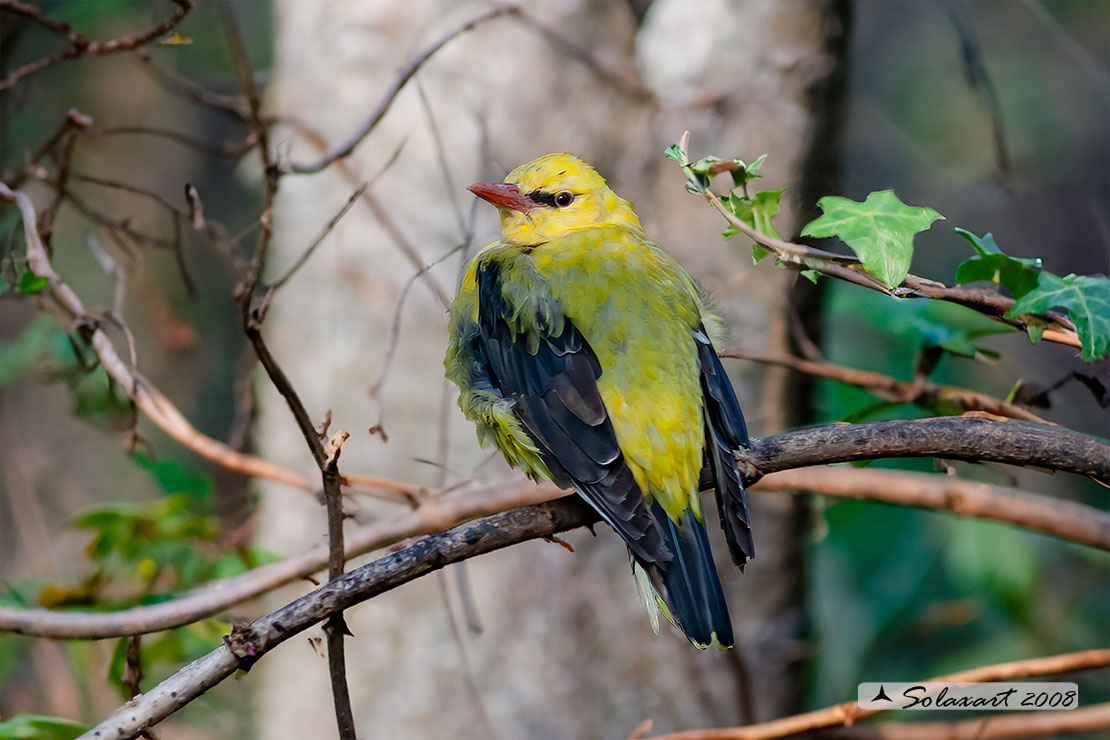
[879,230]
[1086,298]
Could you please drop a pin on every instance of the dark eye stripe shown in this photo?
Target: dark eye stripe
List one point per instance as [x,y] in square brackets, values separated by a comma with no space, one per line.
[547,199]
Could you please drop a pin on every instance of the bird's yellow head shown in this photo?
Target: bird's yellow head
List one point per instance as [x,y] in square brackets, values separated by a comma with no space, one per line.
[551,196]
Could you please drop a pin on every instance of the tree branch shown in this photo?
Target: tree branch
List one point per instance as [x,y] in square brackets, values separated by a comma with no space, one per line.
[344,149]
[988,727]
[849,712]
[1068,520]
[920,390]
[80,45]
[967,438]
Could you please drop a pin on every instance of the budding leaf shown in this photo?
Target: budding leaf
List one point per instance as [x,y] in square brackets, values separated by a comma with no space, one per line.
[879,230]
[757,212]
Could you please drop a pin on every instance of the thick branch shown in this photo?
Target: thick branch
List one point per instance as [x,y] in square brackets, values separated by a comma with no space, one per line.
[849,712]
[966,438]
[1068,520]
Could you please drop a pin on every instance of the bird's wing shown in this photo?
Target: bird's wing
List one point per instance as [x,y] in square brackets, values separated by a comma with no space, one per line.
[536,357]
[725,431]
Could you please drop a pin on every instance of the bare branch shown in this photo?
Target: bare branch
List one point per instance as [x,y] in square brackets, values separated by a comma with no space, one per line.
[344,149]
[967,438]
[991,727]
[849,712]
[80,45]
[1068,520]
[921,390]
[276,285]
[434,515]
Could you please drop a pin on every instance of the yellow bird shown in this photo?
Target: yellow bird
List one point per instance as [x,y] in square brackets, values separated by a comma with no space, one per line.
[583,352]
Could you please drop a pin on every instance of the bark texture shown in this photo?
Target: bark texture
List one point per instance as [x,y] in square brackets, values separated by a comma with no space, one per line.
[566,649]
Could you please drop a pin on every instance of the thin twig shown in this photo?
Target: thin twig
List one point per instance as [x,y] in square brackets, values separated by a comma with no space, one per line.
[253,315]
[850,712]
[276,285]
[990,727]
[922,390]
[80,45]
[344,148]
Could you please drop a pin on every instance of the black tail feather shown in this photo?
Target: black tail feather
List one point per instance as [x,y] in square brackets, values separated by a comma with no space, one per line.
[691,587]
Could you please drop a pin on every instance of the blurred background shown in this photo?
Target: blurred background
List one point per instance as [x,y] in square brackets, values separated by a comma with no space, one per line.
[993,113]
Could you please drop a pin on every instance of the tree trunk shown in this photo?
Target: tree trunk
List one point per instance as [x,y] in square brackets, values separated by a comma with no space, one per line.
[565,648]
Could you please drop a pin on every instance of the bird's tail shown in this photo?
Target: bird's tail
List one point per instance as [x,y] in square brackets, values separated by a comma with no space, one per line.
[688,589]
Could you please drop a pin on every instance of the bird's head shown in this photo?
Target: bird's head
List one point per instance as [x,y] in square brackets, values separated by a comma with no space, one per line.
[553,196]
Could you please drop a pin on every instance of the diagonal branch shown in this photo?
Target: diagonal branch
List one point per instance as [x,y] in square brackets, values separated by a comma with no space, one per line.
[922,390]
[967,438]
[80,45]
[997,727]
[344,148]
[849,712]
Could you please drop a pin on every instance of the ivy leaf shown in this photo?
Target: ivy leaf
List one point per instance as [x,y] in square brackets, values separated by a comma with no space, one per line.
[756,212]
[1086,298]
[1017,275]
[31,283]
[879,230]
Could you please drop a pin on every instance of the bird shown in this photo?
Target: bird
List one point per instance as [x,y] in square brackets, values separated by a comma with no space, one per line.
[584,352]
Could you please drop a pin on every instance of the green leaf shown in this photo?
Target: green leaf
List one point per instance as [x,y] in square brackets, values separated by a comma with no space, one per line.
[1017,275]
[984,245]
[674,151]
[757,212]
[811,275]
[31,283]
[1086,298]
[880,231]
[40,727]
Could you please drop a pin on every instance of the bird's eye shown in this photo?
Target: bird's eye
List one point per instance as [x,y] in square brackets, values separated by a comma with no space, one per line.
[563,199]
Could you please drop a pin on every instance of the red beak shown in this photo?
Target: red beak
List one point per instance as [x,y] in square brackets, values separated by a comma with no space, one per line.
[504,195]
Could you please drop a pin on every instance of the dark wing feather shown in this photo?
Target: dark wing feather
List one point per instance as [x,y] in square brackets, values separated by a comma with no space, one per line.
[553,385]
[725,431]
